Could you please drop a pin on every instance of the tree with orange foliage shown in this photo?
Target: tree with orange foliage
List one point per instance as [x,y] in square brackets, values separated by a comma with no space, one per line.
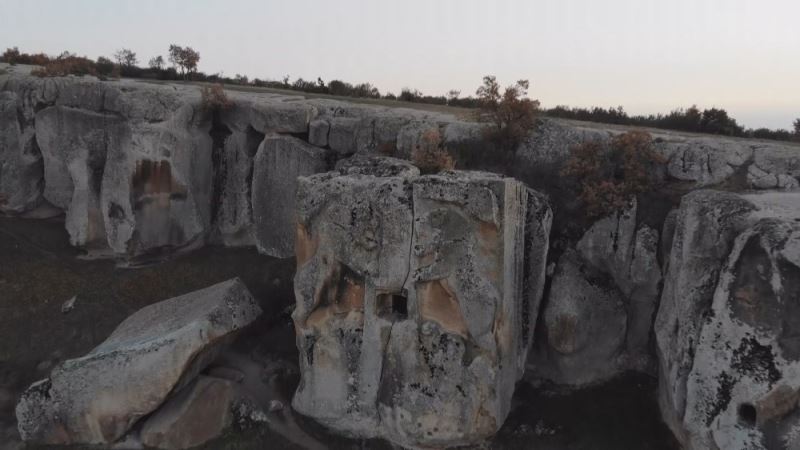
[608,175]
[214,99]
[429,155]
[511,113]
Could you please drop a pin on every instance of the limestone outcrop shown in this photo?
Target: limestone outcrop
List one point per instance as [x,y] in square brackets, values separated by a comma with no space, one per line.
[142,170]
[21,171]
[98,398]
[725,326]
[599,312]
[585,324]
[278,163]
[194,415]
[416,299]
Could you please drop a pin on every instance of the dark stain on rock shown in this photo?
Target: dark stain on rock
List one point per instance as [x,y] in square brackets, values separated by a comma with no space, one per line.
[723,397]
[115,211]
[789,340]
[752,299]
[756,361]
[153,180]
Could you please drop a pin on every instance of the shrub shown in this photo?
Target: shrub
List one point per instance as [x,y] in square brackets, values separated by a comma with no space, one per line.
[105,67]
[67,65]
[429,155]
[797,129]
[511,113]
[608,175]
[214,98]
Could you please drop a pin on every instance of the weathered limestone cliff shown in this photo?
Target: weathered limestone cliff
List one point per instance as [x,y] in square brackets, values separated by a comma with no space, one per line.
[141,169]
[422,299]
[727,322]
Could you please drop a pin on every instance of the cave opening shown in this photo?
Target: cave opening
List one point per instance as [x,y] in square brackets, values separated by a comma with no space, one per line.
[392,307]
[747,414]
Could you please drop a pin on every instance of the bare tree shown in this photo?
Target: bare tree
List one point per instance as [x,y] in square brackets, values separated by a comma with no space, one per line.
[157,63]
[125,57]
[184,57]
[452,95]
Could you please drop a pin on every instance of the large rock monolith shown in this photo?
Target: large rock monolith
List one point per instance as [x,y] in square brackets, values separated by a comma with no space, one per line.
[416,299]
[726,328]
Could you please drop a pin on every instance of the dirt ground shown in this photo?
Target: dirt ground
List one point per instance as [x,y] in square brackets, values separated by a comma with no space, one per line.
[39,271]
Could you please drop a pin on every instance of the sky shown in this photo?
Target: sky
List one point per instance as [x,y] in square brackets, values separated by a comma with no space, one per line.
[646,55]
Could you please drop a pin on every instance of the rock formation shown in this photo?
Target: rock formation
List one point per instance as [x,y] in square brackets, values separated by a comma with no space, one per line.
[143,169]
[98,398]
[416,299]
[194,415]
[278,163]
[724,330]
[416,295]
[599,313]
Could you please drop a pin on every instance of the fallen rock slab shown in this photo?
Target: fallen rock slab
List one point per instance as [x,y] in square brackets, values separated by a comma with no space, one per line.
[198,413]
[98,398]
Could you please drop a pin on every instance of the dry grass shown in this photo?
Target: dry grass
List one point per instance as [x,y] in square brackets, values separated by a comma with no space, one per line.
[430,156]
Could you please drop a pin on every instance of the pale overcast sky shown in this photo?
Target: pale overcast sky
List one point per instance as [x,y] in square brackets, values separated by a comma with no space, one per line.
[647,55]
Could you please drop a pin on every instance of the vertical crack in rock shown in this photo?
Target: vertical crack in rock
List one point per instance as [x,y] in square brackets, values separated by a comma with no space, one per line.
[220,133]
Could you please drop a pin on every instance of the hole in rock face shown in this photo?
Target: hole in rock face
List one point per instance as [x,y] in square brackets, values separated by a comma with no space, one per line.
[393,307]
[747,414]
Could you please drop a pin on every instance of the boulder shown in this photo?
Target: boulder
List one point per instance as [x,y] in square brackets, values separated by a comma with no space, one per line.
[20,159]
[721,327]
[705,161]
[344,134]
[585,323]
[612,277]
[775,167]
[409,137]
[98,398]
[194,415]
[279,162]
[616,247]
[267,114]
[449,265]
[318,133]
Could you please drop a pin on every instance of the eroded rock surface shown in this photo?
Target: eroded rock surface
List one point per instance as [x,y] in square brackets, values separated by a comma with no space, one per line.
[585,324]
[21,169]
[728,375]
[98,398]
[416,299]
[599,313]
[194,415]
[278,163]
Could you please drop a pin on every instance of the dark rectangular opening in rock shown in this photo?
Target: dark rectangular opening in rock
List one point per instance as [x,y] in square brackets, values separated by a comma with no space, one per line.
[392,307]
